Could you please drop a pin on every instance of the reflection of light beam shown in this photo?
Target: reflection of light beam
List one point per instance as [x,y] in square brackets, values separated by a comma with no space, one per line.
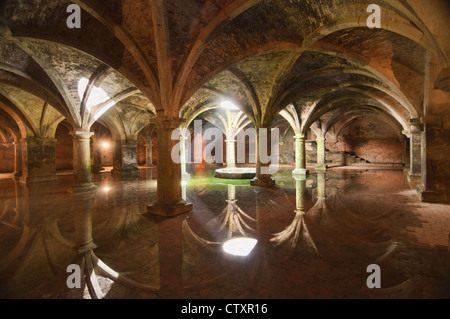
[106,189]
[240,246]
[105,145]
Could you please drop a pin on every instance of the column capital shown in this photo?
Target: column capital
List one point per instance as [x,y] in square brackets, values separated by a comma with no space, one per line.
[407,133]
[416,126]
[167,122]
[299,136]
[130,143]
[442,81]
[82,134]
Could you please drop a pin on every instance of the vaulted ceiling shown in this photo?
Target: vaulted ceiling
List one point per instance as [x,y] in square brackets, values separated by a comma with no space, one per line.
[132,60]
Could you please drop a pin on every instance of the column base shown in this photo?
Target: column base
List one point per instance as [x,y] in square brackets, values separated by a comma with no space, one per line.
[414,177]
[149,166]
[300,171]
[88,187]
[134,172]
[441,196]
[37,179]
[262,181]
[169,209]
[320,168]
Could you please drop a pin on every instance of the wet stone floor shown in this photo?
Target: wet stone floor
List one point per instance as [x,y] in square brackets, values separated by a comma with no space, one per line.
[315,239]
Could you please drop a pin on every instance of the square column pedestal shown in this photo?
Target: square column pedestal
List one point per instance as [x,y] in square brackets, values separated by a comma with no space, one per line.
[38,160]
[125,159]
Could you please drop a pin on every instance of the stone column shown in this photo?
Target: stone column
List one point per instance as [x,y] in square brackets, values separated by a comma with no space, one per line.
[415,150]
[82,175]
[435,185]
[300,156]
[263,177]
[170,201]
[231,158]
[97,157]
[184,174]
[148,154]
[321,166]
[125,159]
[18,159]
[407,166]
[38,160]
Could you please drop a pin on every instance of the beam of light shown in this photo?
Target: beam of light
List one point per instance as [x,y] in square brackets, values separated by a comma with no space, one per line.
[228,105]
[104,109]
[240,246]
[96,97]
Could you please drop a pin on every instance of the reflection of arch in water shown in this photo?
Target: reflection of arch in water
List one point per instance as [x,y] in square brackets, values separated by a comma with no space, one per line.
[406,289]
[232,221]
[41,253]
[333,224]
[92,266]
[127,238]
[197,269]
[205,262]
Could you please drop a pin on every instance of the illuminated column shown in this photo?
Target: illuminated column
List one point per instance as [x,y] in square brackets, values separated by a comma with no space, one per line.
[184,173]
[231,159]
[263,177]
[125,159]
[18,159]
[82,162]
[321,166]
[300,156]
[170,201]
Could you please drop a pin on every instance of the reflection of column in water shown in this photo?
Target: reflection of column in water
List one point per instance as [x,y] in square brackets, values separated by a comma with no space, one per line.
[297,229]
[300,184]
[149,174]
[321,194]
[235,218]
